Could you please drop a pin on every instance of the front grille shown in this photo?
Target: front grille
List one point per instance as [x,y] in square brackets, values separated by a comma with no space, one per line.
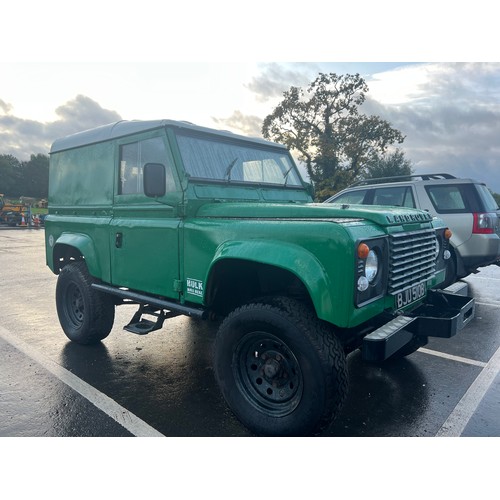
[412,259]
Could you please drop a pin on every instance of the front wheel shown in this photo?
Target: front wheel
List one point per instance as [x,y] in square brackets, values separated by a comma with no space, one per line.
[86,315]
[281,371]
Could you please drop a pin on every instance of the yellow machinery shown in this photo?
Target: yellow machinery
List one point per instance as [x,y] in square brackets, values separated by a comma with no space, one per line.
[13,214]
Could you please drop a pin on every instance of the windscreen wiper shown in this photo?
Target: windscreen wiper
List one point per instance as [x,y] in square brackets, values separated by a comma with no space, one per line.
[227,175]
[285,175]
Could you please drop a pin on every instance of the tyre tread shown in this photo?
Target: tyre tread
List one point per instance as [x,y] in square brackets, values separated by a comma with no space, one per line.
[101,306]
[321,337]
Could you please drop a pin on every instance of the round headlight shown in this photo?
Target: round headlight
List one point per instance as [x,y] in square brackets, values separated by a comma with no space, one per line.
[371,266]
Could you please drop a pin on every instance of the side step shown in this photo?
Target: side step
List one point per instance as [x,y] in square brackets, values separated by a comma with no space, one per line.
[142,326]
[386,340]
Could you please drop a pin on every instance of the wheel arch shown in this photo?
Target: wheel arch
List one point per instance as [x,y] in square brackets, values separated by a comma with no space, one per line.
[69,247]
[260,267]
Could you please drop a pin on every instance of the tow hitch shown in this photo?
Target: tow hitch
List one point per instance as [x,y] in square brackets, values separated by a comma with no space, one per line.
[443,314]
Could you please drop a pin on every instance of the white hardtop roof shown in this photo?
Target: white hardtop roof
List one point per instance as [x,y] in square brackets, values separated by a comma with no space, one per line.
[124,128]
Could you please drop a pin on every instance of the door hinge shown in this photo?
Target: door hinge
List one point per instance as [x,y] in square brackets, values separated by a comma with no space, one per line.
[181,208]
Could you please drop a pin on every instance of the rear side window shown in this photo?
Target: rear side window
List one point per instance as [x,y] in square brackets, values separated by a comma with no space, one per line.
[448,199]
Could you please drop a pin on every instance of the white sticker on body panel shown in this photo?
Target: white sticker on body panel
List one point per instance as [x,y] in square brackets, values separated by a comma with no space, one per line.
[194,287]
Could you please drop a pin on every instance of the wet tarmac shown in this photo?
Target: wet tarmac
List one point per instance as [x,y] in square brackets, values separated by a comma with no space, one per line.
[163,383]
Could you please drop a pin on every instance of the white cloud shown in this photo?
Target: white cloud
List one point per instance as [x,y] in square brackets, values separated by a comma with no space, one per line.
[400,85]
[22,137]
[450,114]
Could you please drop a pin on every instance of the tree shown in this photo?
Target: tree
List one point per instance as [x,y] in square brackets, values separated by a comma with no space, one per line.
[35,176]
[497,198]
[27,178]
[389,165]
[322,123]
[10,175]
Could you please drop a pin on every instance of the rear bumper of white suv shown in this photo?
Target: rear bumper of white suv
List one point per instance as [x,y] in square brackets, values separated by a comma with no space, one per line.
[479,251]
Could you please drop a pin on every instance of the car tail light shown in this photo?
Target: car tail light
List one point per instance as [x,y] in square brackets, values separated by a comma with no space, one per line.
[484,223]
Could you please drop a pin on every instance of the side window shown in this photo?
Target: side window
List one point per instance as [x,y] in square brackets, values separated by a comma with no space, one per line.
[447,199]
[352,197]
[400,196]
[134,156]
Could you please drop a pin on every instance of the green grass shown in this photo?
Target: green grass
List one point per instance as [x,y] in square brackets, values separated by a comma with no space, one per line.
[39,211]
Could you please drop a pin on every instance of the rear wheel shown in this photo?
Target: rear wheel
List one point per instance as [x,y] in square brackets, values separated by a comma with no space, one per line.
[86,315]
[280,369]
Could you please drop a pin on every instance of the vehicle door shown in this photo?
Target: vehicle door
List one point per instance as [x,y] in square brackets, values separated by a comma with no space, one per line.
[144,231]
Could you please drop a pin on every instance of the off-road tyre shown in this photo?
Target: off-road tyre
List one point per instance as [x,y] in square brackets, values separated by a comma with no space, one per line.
[281,370]
[86,315]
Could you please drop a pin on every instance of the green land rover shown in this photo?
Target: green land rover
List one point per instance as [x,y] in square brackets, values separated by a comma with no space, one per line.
[185,220]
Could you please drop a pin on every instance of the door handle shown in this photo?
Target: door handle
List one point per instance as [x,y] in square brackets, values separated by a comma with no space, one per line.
[118,240]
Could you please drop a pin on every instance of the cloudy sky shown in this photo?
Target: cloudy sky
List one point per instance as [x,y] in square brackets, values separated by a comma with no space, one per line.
[448,111]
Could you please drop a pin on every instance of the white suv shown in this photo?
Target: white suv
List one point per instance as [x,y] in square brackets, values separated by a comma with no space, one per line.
[466,206]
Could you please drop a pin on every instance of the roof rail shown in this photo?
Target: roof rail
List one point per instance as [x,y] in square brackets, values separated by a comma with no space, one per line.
[401,178]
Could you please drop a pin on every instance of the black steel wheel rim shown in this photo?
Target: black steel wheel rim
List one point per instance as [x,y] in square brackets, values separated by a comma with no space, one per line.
[75,307]
[267,374]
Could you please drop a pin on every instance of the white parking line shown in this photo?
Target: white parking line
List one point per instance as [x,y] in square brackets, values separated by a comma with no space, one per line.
[452,357]
[487,278]
[489,304]
[460,416]
[118,413]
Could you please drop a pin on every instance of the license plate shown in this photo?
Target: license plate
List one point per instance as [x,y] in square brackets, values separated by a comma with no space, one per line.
[409,296]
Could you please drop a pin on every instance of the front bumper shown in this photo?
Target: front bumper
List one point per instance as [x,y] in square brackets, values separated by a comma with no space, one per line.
[443,314]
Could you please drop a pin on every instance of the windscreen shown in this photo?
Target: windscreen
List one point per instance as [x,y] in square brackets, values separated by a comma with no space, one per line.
[228,161]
